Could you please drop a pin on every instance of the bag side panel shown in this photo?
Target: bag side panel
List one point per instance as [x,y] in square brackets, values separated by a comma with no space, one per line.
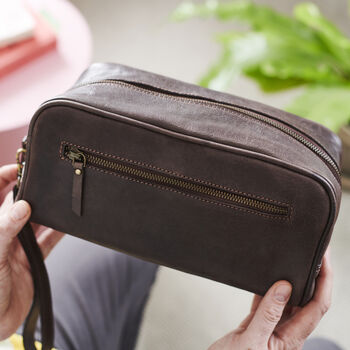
[235,247]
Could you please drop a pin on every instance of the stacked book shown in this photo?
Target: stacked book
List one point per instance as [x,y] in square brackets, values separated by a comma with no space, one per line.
[24,35]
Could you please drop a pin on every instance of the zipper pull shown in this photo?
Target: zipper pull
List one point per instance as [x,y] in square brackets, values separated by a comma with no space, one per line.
[20,160]
[79,162]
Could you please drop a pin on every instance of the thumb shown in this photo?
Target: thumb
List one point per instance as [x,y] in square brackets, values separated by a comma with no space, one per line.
[11,222]
[269,312]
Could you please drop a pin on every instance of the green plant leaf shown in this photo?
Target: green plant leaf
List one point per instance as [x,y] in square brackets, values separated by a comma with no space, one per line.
[221,73]
[325,104]
[294,64]
[337,43]
[270,56]
[259,17]
[271,84]
[279,52]
[293,49]
[239,51]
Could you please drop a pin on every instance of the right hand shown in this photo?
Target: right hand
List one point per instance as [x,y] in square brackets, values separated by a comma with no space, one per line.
[16,286]
[271,325]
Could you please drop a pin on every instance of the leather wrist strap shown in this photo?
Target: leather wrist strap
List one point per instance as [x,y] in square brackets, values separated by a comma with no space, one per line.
[42,303]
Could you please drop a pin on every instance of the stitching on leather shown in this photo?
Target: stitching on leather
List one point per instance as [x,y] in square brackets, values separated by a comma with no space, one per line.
[188,195]
[126,85]
[271,216]
[174,98]
[302,172]
[305,131]
[171,173]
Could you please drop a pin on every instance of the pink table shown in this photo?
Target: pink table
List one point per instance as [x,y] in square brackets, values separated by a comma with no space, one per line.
[22,91]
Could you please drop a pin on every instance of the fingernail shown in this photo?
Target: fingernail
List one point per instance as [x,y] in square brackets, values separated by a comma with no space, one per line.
[283,292]
[19,210]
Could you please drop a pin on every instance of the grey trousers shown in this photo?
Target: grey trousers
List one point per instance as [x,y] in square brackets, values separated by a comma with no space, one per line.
[99,296]
[320,344]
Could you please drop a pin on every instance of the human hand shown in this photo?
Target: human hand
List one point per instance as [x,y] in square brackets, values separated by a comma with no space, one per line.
[271,325]
[16,287]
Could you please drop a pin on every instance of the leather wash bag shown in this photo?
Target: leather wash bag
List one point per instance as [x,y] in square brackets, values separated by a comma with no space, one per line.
[197,180]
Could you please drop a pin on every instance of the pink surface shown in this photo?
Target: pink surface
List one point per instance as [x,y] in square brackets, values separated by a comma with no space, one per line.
[24,90]
[16,55]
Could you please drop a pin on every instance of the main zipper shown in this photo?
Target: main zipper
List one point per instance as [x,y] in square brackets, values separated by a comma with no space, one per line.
[263,118]
[210,192]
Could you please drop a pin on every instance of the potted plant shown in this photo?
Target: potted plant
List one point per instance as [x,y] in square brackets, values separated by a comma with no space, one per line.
[281,52]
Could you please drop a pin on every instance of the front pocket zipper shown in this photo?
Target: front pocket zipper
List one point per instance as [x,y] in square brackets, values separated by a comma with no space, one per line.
[277,124]
[81,157]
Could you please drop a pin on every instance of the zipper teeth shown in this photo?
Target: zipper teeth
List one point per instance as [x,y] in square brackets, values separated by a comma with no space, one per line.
[293,134]
[289,131]
[186,185]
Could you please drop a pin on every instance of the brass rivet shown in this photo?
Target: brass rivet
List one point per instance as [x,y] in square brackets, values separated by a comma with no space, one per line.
[77,171]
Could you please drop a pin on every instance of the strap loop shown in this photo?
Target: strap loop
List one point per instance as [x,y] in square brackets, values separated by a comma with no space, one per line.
[42,303]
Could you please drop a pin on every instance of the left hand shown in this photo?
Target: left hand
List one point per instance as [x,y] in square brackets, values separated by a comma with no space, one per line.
[16,285]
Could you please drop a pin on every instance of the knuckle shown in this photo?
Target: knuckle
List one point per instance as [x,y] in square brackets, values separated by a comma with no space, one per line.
[305,332]
[292,342]
[325,306]
[271,314]
[295,344]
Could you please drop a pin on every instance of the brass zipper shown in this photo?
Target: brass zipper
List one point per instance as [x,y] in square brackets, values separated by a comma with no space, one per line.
[320,152]
[20,160]
[78,160]
[81,158]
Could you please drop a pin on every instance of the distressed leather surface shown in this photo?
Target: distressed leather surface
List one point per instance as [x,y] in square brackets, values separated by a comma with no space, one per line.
[235,246]
[317,132]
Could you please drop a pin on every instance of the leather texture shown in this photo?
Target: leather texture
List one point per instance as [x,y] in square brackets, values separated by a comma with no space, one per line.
[182,130]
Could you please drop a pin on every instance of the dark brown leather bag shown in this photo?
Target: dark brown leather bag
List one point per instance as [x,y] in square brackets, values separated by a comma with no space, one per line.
[197,180]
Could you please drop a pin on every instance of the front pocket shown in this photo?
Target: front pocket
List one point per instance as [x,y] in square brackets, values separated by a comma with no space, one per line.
[82,157]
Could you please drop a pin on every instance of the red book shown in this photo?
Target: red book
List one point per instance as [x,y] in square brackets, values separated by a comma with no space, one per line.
[18,54]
